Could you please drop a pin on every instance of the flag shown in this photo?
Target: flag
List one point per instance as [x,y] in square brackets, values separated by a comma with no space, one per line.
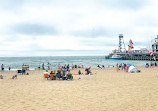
[151,53]
[154,58]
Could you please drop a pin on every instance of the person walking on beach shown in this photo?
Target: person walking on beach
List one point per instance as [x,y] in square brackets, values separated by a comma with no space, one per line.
[2,67]
[9,68]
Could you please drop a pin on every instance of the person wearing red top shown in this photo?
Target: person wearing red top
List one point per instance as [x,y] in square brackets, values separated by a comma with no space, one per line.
[151,64]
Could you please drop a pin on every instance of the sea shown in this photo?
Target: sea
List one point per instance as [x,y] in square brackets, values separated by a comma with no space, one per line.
[88,61]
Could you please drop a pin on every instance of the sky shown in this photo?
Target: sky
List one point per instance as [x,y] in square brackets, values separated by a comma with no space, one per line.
[74,27]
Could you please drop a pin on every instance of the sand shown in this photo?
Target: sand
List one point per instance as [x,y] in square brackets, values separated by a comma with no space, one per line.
[108,90]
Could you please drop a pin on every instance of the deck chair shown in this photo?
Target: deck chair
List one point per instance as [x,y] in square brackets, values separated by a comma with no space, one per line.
[69,76]
[46,76]
[23,71]
[19,71]
[51,76]
[58,76]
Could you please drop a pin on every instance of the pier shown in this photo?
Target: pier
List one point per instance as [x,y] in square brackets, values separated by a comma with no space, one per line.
[142,54]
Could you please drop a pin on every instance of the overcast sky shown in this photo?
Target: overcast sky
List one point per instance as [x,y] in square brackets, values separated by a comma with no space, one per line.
[74,27]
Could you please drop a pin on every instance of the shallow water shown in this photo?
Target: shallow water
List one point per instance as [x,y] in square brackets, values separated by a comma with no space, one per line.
[34,62]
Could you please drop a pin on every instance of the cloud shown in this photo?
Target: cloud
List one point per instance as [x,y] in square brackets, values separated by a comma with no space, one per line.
[95,32]
[107,32]
[34,29]
[125,4]
[60,27]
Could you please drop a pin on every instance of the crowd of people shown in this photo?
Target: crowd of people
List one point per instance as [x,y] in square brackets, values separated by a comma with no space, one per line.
[151,64]
[65,67]
[122,67]
[64,72]
[59,74]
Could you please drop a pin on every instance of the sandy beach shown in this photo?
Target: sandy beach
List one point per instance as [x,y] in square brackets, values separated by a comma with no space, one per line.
[108,90]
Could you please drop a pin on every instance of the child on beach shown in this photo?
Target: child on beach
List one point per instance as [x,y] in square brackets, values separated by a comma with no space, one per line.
[14,76]
[2,76]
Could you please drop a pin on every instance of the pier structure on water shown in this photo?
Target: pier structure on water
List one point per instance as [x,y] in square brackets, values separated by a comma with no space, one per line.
[131,54]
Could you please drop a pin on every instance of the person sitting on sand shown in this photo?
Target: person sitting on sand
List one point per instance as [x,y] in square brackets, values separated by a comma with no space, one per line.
[51,72]
[47,73]
[88,71]
[2,76]
[64,73]
[69,75]
[14,76]
[79,72]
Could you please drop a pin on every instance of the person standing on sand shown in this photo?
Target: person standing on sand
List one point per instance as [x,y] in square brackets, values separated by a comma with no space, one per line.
[103,67]
[151,64]
[117,67]
[68,67]
[9,68]
[39,67]
[48,65]
[72,67]
[155,64]
[2,67]
[43,66]
[59,66]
